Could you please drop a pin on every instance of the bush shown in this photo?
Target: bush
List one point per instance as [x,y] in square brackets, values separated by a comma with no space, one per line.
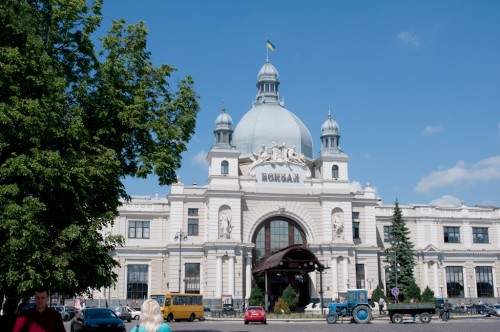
[428,295]
[291,298]
[377,294]
[281,305]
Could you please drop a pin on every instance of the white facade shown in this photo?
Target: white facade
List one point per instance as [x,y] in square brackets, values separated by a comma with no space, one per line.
[276,182]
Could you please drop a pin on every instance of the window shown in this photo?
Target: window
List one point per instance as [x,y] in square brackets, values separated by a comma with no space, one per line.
[137,281]
[484,281]
[192,226]
[355,215]
[192,278]
[335,172]
[360,276]
[193,223]
[355,230]
[387,233]
[452,234]
[480,235]
[454,281]
[138,229]
[224,167]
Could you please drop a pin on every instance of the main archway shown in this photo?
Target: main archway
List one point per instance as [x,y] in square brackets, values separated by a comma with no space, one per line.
[281,258]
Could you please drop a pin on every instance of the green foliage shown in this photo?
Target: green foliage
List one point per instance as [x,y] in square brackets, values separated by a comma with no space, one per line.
[290,297]
[377,294]
[428,295]
[256,297]
[281,306]
[413,291]
[72,126]
[401,252]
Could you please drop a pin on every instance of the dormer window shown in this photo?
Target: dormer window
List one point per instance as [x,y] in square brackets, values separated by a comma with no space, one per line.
[335,172]
[224,167]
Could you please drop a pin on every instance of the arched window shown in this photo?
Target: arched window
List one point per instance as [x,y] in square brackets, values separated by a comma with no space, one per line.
[335,172]
[224,167]
[275,234]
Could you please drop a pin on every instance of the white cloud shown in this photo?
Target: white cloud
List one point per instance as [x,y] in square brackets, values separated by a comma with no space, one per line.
[429,130]
[446,200]
[200,159]
[409,39]
[484,170]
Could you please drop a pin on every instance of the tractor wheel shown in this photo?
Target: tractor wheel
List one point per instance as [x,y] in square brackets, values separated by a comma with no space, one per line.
[397,319]
[425,317]
[362,314]
[332,318]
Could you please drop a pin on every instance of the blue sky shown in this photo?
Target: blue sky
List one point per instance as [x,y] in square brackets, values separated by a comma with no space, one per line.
[413,85]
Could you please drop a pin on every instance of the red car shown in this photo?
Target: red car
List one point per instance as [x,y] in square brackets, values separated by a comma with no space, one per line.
[255,314]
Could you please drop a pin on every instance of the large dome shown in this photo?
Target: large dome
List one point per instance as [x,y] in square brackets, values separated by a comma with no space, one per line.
[268,121]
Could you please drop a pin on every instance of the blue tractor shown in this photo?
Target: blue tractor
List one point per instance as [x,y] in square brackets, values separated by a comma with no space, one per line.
[355,307]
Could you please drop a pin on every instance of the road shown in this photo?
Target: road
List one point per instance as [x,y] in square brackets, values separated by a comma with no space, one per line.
[484,324]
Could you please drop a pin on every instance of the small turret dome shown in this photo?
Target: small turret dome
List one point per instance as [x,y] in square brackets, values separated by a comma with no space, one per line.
[267,73]
[223,120]
[330,126]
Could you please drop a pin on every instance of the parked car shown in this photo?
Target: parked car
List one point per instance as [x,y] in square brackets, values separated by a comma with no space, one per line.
[71,310]
[495,310]
[255,314]
[227,309]
[481,309]
[97,319]
[26,305]
[135,313]
[207,312]
[62,310]
[123,313]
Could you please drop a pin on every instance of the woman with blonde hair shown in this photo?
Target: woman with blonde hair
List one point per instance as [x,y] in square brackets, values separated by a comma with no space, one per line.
[151,318]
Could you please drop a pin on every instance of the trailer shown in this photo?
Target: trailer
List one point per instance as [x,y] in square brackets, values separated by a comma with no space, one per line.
[396,311]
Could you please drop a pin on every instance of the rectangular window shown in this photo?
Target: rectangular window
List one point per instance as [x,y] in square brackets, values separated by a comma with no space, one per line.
[138,229]
[137,281]
[451,234]
[192,278]
[484,281]
[360,276]
[192,212]
[454,281]
[387,233]
[192,226]
[480,235]
[355,215]
[355,230]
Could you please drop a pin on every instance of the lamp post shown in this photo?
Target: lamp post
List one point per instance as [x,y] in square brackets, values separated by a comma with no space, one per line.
[181,236]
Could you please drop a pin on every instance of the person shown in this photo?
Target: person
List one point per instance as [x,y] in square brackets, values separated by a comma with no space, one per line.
[41,317]
[9,316]
[381,305]
[151,318]
[446,310]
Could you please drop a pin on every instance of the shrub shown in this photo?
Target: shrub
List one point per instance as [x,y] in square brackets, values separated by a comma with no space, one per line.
[256,297]
[281,305]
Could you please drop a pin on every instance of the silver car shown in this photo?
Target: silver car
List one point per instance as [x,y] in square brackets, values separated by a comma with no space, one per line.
[495,310]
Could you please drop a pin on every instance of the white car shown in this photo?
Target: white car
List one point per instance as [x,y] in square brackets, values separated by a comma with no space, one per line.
[495,310]
[135,313]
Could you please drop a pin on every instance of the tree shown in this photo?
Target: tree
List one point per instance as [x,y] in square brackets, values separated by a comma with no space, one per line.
[401,254]
[74,123]
[428,295]
[413,291]
[290,297]
[377,294]
[256,297]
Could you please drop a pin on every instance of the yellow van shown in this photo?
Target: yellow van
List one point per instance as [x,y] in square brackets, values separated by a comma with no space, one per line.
[180,306]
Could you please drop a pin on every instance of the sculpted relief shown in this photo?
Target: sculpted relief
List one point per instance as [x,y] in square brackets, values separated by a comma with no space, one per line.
[225,227]
[278,154]
[338,225]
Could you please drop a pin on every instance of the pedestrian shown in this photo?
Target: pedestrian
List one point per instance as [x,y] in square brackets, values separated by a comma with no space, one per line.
[446,310]
[9,316]
[151,318]
[41,318]
[381,305]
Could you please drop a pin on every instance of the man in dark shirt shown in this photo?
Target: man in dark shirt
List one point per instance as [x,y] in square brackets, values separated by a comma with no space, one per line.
[41,318]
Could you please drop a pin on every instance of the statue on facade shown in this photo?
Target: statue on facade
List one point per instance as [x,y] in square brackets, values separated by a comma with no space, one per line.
[338,226]
[225,226]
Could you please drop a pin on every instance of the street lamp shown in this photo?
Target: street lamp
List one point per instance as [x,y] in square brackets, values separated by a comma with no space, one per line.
[181,236]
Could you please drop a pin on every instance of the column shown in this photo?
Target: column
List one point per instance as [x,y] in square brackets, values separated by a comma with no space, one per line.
[464,274]
[313,289]
[426,274]
[230,275]
[436,278]
[218,278]
[346,272]
[335,279]
[248,282]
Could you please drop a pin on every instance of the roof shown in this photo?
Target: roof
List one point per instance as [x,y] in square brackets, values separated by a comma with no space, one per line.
[293,258]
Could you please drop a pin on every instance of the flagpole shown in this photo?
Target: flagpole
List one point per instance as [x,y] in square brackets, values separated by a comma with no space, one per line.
[267,50]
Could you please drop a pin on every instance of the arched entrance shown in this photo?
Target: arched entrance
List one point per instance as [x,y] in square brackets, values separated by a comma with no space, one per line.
[281,258]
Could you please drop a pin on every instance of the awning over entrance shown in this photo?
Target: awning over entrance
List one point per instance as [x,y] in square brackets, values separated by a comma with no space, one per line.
[296,258]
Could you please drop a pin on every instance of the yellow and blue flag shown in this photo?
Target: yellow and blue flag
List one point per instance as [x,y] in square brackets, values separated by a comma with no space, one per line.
[270,45]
